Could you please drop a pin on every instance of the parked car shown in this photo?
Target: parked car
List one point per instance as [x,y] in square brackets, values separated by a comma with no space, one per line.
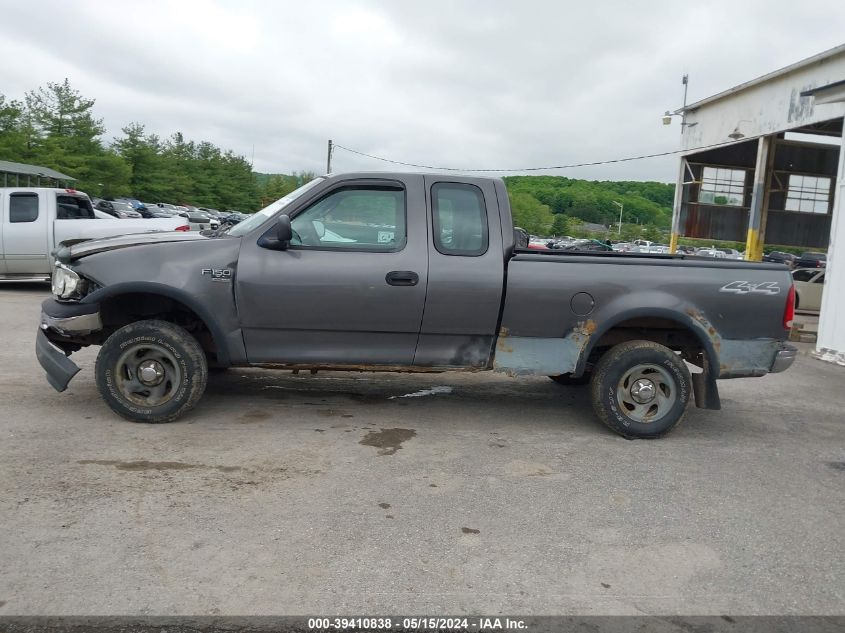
[588,246]
[811,260]
[117,209]
[710,252]
[809,286]
[732,253]
[438,284]
[201,222]
[779,257]
[34,221]
[685,250]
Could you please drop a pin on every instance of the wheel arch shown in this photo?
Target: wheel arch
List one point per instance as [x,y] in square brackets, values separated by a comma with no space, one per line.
[691,321]
[116,292]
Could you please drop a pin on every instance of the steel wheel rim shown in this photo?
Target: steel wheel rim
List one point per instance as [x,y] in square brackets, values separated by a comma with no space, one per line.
[639,402]
[148,375]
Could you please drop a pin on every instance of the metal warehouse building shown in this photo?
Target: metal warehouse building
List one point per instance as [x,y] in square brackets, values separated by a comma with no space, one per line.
[21,175]
[764,164]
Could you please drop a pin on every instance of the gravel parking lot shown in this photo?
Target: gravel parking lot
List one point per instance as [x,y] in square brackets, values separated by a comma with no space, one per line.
[336,493]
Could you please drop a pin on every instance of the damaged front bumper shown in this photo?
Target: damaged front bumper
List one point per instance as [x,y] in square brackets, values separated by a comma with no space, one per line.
[61,321]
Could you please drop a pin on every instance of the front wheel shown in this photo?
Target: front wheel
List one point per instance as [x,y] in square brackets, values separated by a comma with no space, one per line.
[640,389]
[151,371]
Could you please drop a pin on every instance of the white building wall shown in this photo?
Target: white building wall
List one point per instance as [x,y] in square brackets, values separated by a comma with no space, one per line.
[766,106]
[831,340]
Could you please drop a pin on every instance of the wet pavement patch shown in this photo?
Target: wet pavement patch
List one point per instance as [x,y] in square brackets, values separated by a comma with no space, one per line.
[255,414]
[142,465]
[388,440]
[467,530]
[837,465]
[384,506]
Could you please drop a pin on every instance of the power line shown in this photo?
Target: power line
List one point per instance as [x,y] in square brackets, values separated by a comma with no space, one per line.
[549,168]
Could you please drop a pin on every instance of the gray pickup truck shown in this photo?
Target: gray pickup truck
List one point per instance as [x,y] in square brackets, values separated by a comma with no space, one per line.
[409,272]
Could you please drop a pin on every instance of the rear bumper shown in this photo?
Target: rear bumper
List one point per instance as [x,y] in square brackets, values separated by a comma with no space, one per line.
[59,368]
[784,358]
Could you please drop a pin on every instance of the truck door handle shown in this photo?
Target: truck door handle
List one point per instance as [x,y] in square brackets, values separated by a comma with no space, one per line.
[402,278]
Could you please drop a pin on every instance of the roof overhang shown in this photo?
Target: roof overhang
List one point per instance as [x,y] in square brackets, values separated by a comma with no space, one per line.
[831,93]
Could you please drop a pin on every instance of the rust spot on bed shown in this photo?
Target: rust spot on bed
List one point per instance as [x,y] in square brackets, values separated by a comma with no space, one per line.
[501,342]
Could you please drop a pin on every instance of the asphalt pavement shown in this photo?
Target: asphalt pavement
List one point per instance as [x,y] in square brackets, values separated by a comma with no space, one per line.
[420,494]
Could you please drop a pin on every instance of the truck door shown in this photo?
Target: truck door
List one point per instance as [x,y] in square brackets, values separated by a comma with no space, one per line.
[466,272]
[26,246]
[350,289]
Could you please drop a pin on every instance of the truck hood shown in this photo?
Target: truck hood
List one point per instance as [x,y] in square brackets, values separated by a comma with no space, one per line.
[70,251]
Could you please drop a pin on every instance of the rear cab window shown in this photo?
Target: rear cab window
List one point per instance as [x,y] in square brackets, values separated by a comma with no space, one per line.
[459,219]
[23,207]
[70,207]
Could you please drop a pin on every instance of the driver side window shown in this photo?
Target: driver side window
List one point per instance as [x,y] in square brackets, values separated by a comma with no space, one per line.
[356,218]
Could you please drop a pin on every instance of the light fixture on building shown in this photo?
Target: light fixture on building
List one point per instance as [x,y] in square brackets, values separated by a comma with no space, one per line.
[736,134]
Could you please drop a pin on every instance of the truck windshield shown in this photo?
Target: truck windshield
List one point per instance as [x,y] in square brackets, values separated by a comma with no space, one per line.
[258,218]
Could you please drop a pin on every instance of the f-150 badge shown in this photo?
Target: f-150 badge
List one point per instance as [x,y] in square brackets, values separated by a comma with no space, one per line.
[218,274]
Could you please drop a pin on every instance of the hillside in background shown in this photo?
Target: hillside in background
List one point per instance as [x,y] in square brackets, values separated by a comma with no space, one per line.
[555,205]
[55,126]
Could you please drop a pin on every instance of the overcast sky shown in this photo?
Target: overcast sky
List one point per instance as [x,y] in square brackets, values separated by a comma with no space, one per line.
[467,84]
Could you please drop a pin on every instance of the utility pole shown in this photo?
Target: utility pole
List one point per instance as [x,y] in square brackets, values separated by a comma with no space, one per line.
[329,158]
[621,207]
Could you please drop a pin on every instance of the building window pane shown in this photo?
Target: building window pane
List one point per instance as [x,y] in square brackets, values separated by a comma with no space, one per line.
[808,194]
[722,186]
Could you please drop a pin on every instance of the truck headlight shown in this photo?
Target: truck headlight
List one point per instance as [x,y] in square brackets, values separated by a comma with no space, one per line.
[66,283]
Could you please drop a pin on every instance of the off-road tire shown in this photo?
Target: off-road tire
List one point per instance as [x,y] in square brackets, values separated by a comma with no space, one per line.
[171,342]
[607,383]
[568,380]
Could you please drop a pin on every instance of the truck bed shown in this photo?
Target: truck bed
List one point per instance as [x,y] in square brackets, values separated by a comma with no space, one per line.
[597,257]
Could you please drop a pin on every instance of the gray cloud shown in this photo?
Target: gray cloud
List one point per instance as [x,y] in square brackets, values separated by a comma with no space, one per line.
[466,84]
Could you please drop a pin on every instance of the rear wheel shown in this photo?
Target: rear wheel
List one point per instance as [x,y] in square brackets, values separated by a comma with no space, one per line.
[640,389]
[151,371]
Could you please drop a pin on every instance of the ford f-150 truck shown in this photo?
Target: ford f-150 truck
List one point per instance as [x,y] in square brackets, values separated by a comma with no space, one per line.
[409,272]
[35,220]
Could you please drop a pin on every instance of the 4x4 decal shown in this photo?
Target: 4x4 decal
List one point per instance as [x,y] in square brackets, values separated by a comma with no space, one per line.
[745,287]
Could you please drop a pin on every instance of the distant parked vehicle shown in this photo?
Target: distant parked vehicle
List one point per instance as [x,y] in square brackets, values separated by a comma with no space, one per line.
[200,221]
[685,250]
[117,209]
[168,207]
[35,221]
[809,286]
[588,246]
[710,252]
[811,260]
[133,202]
[779,257]
[731,253]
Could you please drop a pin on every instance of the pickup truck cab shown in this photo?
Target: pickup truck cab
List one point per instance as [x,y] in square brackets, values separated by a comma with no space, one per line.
[410,272]
[35,220]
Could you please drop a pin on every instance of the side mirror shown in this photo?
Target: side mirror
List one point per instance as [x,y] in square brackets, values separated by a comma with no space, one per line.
[284,232]
[278,238]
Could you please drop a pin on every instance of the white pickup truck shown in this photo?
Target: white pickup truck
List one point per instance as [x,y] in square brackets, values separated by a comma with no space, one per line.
[35,220]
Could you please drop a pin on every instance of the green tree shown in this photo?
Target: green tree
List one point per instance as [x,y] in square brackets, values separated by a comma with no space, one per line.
[531,214]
